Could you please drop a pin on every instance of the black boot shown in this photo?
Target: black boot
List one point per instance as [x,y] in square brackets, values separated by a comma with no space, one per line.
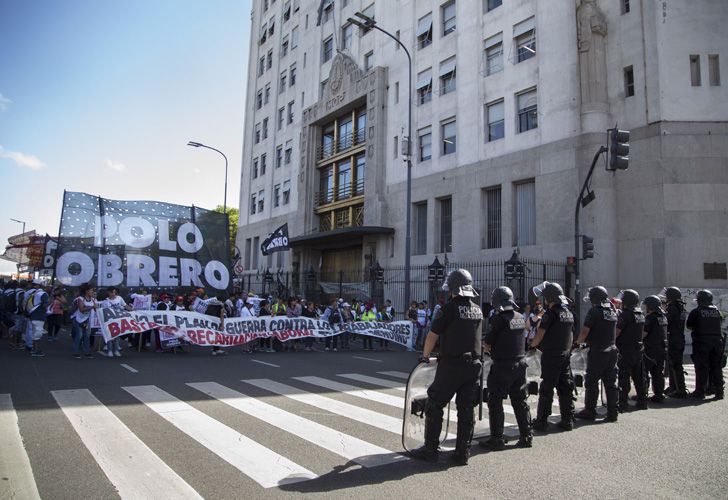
[466,425]
[541,423]
[623,404]
[525,441]
[586,414]
[426,452]
[461,456]
[641,404]
[566,425]
[493,443]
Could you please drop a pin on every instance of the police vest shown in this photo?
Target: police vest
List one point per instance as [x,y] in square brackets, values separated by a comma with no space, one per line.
[708,322]
[655,328]
[676,316]
[631,323]
[558,323]
[506,336]
[603,332]
[461,330]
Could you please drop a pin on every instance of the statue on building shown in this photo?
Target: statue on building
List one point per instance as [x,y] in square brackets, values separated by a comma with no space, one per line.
[591,30]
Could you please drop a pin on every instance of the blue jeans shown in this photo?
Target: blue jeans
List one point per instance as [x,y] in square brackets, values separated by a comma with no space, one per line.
[80,334]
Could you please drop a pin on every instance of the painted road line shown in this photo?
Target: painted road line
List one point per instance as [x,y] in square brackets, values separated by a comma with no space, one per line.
[381,382]
[15,470]
[133,370]
[396,374]
[369,417]
[367,359]
[134,469]
[357,392]
[341,444]
[262,465]
[264,363]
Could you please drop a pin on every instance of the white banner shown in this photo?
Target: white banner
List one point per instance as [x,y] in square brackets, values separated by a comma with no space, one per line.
[199,329]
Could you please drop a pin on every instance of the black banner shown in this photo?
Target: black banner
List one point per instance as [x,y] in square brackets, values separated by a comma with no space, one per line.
[141,244]
[277,241]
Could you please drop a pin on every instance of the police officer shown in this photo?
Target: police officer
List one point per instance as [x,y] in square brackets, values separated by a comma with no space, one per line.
[554,338]
[458,327]
[630,326]
[708,345]
[676,315]
[599,332]
[507,377]
[653,338]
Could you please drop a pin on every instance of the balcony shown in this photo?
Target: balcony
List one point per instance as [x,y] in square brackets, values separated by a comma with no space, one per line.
[340,145]
[334,195]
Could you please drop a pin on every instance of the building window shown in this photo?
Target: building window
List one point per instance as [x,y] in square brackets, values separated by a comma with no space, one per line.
[286,192]
[288,153]
[264,33]
[695,70]
[326,185]
[445,206]
[281,114]
[286,11]
[527,110]
[328,49]
[447,76]
[255,168]
[424,139]
[494,54]
[327,10]
[265,128]
[284,47]
[294,38]
[256,252]
[628,81]
[361,125]
[282,82]
[253,204]
[343,180]
[360,162]
[424,31]
[525,213]
[492,202]
[424,86]
[279,156]
[495,119]
[368,60]
[420,247]
[290,112]
[396,92]
[263,158]
[449,137]
[524,34]
[347,33]
[714,70]
[247,253]
[261,201]
[448,11]
[269,60]
[276,195]
[265,5]
[259,99]
[261,66]
[346,133]
[492,4]
[322,89]
[267,93]
[271,28]
[257,133]
[625,6]
[396,146]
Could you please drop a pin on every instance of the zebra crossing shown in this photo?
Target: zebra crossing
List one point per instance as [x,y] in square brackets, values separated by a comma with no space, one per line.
[360,422]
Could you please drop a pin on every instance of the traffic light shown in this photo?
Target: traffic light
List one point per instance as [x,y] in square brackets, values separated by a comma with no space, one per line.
[587,247]
[618,149]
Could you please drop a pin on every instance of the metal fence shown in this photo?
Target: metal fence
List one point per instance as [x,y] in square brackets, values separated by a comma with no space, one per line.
[379,284]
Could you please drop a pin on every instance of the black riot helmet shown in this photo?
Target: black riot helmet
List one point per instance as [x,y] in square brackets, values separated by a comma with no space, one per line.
[502,299]
[672,293]
[704,298]
[551,292]
[460,284]
[598,296]
[653,303]
[630,299]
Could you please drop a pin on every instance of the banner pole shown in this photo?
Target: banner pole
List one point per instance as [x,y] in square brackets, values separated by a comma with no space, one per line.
[60,226]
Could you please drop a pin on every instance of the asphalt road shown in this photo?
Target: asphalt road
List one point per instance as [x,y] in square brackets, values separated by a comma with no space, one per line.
[184,425]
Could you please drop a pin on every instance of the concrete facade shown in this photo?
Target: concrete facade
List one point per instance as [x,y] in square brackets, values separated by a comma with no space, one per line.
[657,223]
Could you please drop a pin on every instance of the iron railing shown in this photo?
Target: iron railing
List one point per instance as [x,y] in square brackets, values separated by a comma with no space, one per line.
[340,145]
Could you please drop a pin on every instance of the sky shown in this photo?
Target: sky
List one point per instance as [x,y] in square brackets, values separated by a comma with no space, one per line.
[102,96]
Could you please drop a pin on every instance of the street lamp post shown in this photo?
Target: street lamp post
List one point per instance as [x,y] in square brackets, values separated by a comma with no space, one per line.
[200,145]
[20,222]
[368,23]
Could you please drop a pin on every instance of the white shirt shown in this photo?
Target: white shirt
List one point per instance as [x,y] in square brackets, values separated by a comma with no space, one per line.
[245,313]
[79,316]
[141,302]
[117,304]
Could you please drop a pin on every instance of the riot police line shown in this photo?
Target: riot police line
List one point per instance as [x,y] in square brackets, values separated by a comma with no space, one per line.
[615,347]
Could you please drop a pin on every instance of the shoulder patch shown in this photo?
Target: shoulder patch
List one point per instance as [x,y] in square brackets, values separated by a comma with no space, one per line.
[609,315]
[566,316]
[470,312]
[517,324]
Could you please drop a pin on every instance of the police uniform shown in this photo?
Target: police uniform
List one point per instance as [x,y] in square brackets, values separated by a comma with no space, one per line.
[459,330]
[631,323]
[507,377]
[601,360]
[654,342]
[708,345]
[558,325]
[676,316]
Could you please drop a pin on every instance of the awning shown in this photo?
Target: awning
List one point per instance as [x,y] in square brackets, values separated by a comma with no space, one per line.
[524,26]
[346,235]
[447,67]
[424,25]
[424,79]
[494,40]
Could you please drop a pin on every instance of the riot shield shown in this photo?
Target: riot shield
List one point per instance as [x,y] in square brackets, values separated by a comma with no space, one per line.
[578,365]
[415,397]
[533,370]
[482,427]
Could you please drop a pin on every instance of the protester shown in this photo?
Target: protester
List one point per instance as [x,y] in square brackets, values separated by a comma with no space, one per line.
[54,315]
[215,307]
[309,312]
[266,344]
[36,308]
[117,304]
[368,315]
[332,314]
[141,301]
[82,307]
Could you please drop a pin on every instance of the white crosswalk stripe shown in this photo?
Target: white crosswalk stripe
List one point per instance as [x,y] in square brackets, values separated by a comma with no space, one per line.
[15,469]
[349,447]
[134,469]
[259,463]
[396,374]
[357,392]
[381,382]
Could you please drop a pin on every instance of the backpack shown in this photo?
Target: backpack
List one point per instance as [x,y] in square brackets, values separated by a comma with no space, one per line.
[30,304]
[10,301]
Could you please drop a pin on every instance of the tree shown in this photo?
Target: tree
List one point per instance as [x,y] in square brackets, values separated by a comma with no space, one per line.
[233,214]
